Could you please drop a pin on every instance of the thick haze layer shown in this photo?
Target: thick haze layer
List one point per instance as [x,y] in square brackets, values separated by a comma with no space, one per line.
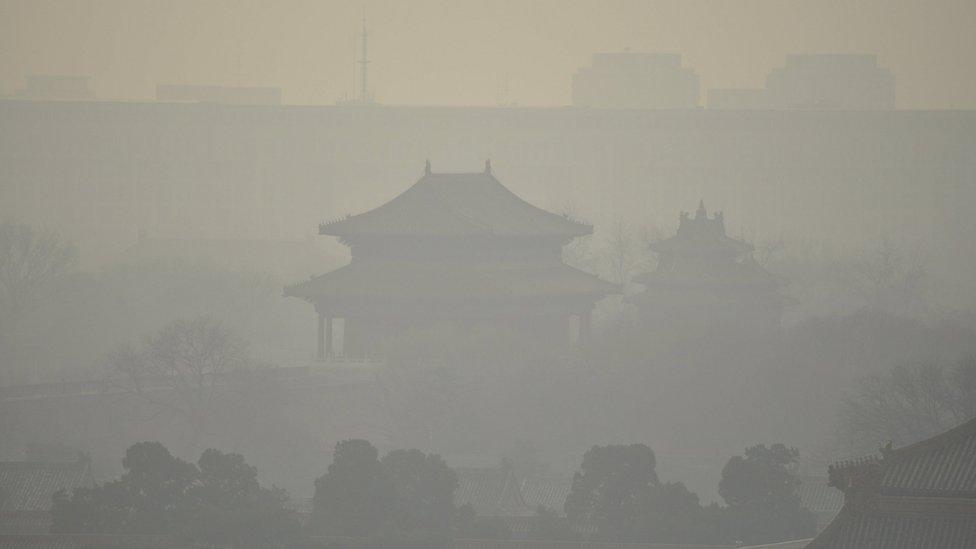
[474,52]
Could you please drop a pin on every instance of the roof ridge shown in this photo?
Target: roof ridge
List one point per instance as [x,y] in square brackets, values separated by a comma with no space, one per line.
[962,430]
[79,463]
[432,206]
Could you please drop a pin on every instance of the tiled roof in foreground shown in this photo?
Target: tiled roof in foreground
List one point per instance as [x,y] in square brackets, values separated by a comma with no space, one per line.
[491,492]
[818,496]
[944,465]
[918,497]
[898,531]
[29,486]
[549,492]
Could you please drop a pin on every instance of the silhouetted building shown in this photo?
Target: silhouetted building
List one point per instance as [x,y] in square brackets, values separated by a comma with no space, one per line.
[921,496]
[458,249]
[56,87]
[227,95]
[26,489]
[837,81]
[704,278]
[636,81]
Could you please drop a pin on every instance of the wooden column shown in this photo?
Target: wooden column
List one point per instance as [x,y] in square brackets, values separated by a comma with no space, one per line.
[328,337]
[320,352]
[584,327]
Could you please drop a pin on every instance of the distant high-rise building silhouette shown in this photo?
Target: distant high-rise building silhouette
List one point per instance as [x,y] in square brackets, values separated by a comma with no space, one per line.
[56,87]
[636,81]
[831,81]
[816,82]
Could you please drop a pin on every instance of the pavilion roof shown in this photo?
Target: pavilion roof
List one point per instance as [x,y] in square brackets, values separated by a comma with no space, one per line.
[456,204]
[744,273]
[701,235]
[451,280]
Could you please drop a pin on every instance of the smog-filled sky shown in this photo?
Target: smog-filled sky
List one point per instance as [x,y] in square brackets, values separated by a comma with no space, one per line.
[684,273]
[466,52]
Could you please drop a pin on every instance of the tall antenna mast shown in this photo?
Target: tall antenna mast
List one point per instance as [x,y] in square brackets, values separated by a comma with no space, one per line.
[363,93]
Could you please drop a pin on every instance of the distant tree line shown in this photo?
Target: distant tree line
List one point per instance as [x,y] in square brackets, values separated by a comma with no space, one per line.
[216,502]
[617,490]
[407,499]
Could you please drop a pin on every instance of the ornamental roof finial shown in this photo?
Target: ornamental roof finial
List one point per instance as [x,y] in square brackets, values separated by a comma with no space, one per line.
[701,213]
[488,166]
[427,167]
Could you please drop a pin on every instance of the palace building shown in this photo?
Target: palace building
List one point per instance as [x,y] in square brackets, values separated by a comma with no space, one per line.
[706,279]
[457,249]
[921,496]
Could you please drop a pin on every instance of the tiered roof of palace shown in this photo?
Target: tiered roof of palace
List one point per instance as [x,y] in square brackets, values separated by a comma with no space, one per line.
[455,214]
[700,254]
[456,204]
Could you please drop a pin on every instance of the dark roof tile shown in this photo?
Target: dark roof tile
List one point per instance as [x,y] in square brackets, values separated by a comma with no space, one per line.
[29,486]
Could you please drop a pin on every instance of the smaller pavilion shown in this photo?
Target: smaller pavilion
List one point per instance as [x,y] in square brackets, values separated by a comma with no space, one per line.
[704,278]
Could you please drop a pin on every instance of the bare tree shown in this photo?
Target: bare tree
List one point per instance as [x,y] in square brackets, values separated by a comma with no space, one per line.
[888,278]
[31,261]
[625,252]
[764,252]
[909,403]
[180,368]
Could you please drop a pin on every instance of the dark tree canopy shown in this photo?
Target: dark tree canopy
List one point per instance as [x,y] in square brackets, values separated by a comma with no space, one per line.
[760,490]
[760,476]
[352,498]
[406,494]
[617,489]
[423,490]
[226,480]
[609,483]
[144,500]
[219,502]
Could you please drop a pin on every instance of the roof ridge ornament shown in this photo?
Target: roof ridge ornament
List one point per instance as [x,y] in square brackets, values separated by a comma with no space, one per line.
[701,213]
[488,166]
[427,167]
